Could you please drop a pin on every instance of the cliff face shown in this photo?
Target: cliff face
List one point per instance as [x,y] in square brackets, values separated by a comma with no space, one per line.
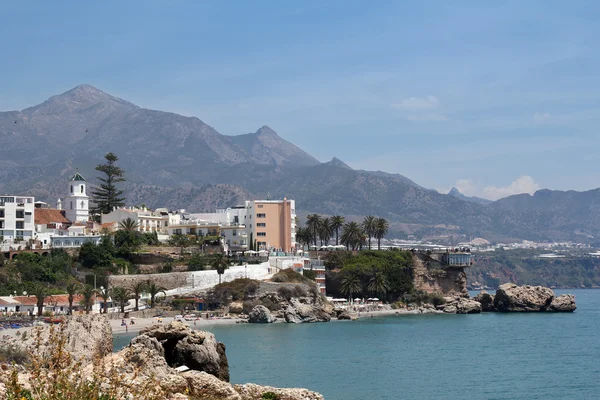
[432,276]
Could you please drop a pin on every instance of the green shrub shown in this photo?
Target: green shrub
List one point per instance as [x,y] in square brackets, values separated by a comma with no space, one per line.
[270,304]
[290,276]
[436,299]
[10,353]
[299,291]
[248,305]
[285,292]
[270,396]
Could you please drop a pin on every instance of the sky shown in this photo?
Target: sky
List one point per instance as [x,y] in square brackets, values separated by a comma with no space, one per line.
[495,98]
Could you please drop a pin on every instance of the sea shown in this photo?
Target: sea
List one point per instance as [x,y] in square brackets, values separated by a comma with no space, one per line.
[479,356]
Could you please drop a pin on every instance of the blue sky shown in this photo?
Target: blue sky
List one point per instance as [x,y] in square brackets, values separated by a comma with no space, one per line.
[493,98]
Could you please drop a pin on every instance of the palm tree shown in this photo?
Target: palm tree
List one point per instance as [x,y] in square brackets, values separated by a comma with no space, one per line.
[325,230]
[104,293]
[337,221]
[121,295]
[313,223]
[369,227]
[381,229]
[154,290]
[219,263]
[88,294]
[40,292]
[351,284]
[129,225]
[303,236]
[72,289]
[137,289]
[352,235]
[378,284]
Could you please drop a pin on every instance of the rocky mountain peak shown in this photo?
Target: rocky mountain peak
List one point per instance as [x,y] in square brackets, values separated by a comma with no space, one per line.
[266,131]
[79,98]
[336,162]
[454,191]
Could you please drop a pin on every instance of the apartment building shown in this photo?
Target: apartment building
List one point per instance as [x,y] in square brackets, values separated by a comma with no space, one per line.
[17,223]
[272,224]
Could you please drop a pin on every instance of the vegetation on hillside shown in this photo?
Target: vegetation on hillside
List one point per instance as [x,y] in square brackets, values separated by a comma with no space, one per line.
[525,268]
[387,275]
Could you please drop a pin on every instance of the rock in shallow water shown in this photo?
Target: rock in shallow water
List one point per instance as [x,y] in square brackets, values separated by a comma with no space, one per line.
[512,298]
[260,315]
[563,303]
[460,305]
[297,312]
[486,300]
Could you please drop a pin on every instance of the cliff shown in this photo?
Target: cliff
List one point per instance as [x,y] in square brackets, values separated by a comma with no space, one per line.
[431,275]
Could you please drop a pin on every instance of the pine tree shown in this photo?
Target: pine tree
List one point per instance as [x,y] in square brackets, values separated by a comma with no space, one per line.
[107,196]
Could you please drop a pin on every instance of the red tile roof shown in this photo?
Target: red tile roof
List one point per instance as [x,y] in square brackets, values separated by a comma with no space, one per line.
[45,216]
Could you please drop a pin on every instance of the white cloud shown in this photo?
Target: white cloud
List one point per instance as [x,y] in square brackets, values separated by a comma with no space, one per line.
[468,187]
[417,103]
[524,184]
[427,117]
[539,118]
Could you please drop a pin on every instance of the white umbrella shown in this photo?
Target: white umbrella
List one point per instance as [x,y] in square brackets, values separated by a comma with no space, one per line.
[375,299]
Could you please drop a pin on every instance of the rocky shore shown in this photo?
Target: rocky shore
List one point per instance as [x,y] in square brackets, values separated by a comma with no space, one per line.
[175,361]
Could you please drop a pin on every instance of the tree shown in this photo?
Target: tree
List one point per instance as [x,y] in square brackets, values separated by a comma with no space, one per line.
[107,196]
[219,263]
[137,289]
[303,236]
[337,221]
[154,290]
[352,235]
[72,289]
[378,284]
[381,229]
[88,295]
[129,225]
[104,293]
[351,284]
[325,230]
[40,292]
[313,223]
[369,227]
[180,241]
[121,296]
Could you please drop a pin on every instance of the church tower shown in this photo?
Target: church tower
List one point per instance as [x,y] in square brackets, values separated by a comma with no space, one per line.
[76,203]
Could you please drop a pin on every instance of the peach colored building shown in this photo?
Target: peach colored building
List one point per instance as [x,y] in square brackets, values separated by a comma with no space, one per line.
[272,224]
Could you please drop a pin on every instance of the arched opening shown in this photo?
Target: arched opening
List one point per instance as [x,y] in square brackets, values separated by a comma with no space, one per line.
[81,188]
[45,254]
[71,188]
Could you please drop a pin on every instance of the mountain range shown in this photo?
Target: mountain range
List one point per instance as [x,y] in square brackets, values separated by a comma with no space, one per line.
[181,162]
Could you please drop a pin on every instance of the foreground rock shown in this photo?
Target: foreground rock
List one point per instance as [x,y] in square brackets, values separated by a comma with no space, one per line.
[486,300]
[198,350]
[460,305]
[297,312]
[87,337]
[563,303]
[512,298]
[260,315]
[148,366]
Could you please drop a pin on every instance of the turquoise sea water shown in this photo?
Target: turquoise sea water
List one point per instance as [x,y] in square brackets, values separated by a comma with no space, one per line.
[485,356]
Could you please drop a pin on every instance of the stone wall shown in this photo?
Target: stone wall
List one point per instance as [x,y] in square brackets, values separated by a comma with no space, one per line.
[432,276]
[169,281]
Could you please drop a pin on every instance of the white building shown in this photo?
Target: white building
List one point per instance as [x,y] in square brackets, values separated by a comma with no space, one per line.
[147,220]
[77,202]
[16,220]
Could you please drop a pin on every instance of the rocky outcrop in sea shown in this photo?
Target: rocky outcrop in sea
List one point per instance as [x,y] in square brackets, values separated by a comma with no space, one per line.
[260,315]
[512,298]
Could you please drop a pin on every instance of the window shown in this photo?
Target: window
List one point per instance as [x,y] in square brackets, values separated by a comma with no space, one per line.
[20,225]
[261,225]
[262,243]
[261,215]
[1,213]
[260,206]
[261,233]
[81,188]
[20,213]
[71,188]
[71,205]
[234,233]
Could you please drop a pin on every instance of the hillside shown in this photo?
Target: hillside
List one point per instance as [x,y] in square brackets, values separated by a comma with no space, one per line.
[181,162]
